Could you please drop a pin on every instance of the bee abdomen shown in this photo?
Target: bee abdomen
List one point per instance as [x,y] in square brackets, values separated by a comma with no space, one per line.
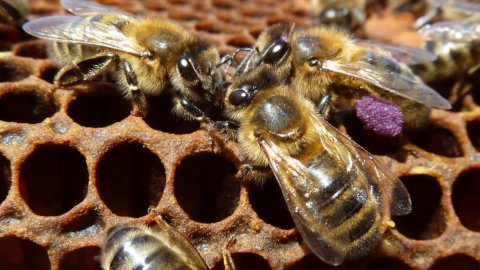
[453,60]
[347,207]
[138,250]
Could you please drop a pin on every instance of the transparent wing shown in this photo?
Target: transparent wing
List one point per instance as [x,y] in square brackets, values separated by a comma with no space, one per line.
[405,54]
[361,161]
[79,30]
[88,8]
[457,31]
[400,84]
[296,182]
[304,187]
[469,8]
[174,239]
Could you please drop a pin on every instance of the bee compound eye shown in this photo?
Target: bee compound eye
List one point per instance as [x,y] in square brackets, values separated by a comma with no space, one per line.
[238,97]
[186,69]
[276,52]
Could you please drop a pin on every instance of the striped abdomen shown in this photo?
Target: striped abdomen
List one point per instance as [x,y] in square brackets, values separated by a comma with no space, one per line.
[346,211]
[454,60]
[137,248]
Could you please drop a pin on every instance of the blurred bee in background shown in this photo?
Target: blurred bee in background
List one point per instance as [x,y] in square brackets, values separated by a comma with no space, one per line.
[13,12]
[347,14]
[338,194]
[160,247]
[325,61]
[457,47]
[146,55]
[441,10]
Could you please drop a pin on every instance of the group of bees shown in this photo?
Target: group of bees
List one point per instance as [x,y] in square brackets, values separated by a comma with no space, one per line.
[275,104]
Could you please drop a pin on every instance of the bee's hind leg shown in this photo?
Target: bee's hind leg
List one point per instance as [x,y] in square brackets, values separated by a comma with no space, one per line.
[139,100]
[248,173]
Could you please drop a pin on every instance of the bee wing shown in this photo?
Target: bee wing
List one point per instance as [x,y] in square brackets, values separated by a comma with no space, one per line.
[88,8]
[406,54]
[79,30]
[304,193]
[173,238]
[469,8]
[359,160]
[295,181]
[456,31]
[400,84]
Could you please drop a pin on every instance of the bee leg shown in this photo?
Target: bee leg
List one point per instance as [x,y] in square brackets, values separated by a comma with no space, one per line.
[228,263]
[247,61]
[185,106]
[226,128]
[323,105]
[248,173]
[139,100]
[82,71]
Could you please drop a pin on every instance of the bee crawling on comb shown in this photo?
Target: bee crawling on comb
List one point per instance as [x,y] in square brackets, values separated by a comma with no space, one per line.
[326,61]
[158,248]
[146,55]
[339,195]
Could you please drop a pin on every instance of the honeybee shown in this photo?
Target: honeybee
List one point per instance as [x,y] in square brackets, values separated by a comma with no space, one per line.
[327,61]
[457,56]
[13,12]
[161,247]
[348,14]
[445,10]
[339,195]
[146,54]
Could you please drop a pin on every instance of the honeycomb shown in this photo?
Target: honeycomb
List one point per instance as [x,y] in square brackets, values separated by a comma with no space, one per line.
[74,162]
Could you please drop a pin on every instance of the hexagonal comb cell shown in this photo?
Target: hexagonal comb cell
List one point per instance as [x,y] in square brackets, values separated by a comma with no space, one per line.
[206,195]
[426,220]
[17,253]
[74,162]
[85,258]
[54,179]
[130,179]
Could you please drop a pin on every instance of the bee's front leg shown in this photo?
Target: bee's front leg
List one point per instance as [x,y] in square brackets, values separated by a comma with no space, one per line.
[139,100]
[225,128]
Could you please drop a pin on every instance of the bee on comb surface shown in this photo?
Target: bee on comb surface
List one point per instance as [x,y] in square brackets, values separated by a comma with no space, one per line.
[160,247]
[339,195]
[147,54]
[324,61]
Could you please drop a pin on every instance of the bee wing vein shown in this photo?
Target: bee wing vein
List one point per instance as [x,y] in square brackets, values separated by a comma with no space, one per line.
[406,54]
[345,149]
[400,84]
[79,30]
[88,8]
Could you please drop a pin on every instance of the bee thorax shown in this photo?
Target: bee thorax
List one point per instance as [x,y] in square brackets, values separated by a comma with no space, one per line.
[279,117]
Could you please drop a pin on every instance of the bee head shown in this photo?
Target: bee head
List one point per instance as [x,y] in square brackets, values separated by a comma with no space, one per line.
[246,87]
[197,75]
[274,44]
[276,51]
